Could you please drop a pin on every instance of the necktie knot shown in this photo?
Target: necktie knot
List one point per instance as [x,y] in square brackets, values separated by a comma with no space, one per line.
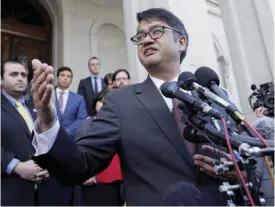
[24,113]
[18,104]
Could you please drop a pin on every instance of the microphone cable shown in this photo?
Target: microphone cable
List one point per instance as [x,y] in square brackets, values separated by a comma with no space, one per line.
[235,162]
[266,145]
[217,152]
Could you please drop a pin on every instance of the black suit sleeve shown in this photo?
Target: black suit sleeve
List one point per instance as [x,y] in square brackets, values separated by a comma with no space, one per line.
[74,162]
[80,89]
[6,158]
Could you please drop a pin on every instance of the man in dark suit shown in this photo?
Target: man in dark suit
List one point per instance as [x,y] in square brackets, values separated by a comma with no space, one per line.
[92,85]
[23,182]
[71,107]
[137,122]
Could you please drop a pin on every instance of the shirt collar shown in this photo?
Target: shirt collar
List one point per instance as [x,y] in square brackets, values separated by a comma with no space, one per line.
[93,75]
[13,100]
[159,82]
[58,90]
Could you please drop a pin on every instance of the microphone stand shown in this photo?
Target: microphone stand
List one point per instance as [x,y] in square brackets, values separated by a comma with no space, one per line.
[245,161]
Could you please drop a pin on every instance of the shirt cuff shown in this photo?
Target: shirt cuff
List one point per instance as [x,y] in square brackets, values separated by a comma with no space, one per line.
[43,142]
[11,165]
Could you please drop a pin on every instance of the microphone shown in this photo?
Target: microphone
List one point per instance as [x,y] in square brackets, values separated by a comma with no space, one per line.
[208,78]
[188,81]
[265,126]
[182,194]
[194,136]
[172,90]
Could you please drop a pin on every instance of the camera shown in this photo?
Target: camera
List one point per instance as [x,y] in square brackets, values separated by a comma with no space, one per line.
[264,96]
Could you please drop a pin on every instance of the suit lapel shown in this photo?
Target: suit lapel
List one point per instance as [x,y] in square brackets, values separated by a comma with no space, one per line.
[150,97]
[32,110]
[103,84]
[10,109]
[89,86]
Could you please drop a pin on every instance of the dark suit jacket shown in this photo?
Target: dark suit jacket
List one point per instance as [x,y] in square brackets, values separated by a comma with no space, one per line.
[85,88]
[15,143]
[75,111]
[136,123]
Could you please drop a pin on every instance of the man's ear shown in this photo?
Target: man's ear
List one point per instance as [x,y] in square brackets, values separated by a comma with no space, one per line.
[183,43]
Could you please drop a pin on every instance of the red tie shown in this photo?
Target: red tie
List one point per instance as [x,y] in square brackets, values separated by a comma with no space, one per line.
[177,113]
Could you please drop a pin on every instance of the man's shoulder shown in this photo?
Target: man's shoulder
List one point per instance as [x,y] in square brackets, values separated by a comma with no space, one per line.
[125,90]
[85,79]
[76,95]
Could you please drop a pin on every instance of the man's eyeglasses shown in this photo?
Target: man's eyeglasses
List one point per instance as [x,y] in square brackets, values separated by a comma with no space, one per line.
[154,33]
[121,79]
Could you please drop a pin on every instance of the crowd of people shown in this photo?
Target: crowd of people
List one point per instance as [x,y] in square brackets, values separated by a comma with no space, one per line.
[75,111]
[107,144]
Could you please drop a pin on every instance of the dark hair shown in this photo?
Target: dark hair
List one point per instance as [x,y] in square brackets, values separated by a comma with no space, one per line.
[108,77]
[63,68]
[92,58]
[6,62]
[24,60]
[98,97]
[121,70]
[170,19]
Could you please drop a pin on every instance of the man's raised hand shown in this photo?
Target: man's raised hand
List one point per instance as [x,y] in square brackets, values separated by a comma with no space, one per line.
[43,94]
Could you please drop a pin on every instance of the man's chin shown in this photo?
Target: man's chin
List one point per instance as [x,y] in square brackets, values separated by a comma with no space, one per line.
[151,62]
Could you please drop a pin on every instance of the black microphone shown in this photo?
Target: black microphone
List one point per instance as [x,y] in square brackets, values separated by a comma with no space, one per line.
[182,194]
[194,136]
[188,81]
[172,90]
[209,78]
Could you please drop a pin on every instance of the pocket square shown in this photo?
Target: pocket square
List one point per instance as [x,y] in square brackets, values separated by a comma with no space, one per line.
[35,110]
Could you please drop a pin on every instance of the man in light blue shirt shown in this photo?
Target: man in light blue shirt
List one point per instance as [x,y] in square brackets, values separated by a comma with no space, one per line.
[92,85]
[20,174]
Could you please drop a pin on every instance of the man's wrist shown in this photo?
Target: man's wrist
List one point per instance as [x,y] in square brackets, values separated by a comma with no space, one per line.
[43,127]
[16,169]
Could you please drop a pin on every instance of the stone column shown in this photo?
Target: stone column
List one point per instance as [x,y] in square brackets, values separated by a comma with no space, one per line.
[136,70]
[249,30]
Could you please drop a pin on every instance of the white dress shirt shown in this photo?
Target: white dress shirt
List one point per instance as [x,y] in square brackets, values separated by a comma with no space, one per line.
[65,96]
[43,142]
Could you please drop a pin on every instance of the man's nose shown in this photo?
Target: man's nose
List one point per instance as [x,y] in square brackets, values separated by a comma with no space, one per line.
[20,77]
[148,40]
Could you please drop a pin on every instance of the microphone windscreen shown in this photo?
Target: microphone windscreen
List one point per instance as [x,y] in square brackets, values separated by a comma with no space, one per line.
[187,75]
[265,126]
[206,75]
[182,194]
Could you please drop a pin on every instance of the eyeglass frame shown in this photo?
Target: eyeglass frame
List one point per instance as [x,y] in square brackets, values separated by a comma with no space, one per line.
[148,33]
[121,79]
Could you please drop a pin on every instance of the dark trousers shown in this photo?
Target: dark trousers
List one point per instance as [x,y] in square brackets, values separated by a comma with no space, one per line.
[100,194]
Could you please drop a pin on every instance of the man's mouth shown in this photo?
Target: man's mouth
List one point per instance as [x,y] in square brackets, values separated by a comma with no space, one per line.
[149,51]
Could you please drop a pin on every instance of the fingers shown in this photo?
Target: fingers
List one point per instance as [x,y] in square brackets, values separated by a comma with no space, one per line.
[209,161]
[42,173]
[41,81]
[260,111]
[215,150]
[47,94]
[207,169]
